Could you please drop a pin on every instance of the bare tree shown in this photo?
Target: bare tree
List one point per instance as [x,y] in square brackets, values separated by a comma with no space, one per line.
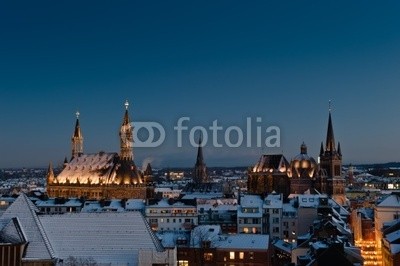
[203,242]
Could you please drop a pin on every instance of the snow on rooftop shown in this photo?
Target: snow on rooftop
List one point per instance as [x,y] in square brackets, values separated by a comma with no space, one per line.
[244,242]
[39,246]
[391,201]
[98,168]
[309,201]
[135,204]
[394,248]
[282,245]
[52,202]
[114,238]
[251,201]
[393,236]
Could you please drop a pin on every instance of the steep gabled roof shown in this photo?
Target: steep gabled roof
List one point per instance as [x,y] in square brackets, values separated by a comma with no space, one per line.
[108,238]
[38,246]
[271,161]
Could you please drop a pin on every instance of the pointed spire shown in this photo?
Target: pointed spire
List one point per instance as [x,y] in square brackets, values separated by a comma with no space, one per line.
[303,148]
[339,150]
[126,116]
[321,150]
[50,174]
[65,162]
[77,131]
[200,170]
[77,139]
[200,159]
[330,139]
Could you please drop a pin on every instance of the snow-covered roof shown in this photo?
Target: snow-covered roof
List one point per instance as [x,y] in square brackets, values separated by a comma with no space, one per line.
[309,201]
[98,168]
[273,201]
[204,233]
[394,248]
[169,238]
[163,203]
[244,242]
[393,236]
[52,202]
[282,245]
[91,206]
[135,204]
[391,201]
[249,201]
[39,246]
[114,238]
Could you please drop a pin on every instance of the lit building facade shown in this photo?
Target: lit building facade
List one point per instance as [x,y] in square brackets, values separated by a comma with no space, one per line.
[101,175]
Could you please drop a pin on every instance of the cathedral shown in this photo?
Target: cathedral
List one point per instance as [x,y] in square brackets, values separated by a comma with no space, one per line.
[273,173]
[103,175]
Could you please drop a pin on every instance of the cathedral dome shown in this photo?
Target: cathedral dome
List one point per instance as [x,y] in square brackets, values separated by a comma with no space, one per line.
[303,165]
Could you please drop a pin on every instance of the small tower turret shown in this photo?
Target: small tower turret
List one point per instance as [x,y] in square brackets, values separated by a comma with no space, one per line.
[50,174]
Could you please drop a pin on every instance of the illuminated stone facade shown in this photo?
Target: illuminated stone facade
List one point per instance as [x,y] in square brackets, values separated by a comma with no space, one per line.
[101,175]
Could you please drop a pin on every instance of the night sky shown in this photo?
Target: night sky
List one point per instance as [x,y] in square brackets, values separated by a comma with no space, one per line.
[226,60]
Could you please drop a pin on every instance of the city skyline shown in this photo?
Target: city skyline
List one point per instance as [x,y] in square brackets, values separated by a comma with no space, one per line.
[225,61]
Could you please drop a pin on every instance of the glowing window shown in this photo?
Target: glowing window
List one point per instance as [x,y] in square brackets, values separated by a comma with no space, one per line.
[241,255]
[208,256]
[232,255]
[183,263]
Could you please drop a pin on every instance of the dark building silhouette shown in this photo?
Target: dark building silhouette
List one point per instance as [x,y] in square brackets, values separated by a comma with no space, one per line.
[332,181]
[200,170]
[270,174]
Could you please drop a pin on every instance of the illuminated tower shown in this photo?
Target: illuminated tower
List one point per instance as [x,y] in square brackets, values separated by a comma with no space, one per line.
[77,139]
[126,137]
[200,170]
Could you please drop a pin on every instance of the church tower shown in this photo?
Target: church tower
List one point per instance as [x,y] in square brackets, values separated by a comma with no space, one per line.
[331,165]
[77,139]
[126,137]
[200,170]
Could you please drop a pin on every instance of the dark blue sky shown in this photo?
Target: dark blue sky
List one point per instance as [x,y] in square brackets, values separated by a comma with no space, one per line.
[225,60]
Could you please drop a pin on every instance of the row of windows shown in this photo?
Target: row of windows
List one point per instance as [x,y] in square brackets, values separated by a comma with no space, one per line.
[171,211]
[58,209]
[250,210]
[163,220]
[249,221]
[253,230]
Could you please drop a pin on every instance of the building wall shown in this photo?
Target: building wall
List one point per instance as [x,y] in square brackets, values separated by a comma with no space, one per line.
[382,215]
[243,257]
[306,217]
[11,255]
[173,218]
[100,192]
